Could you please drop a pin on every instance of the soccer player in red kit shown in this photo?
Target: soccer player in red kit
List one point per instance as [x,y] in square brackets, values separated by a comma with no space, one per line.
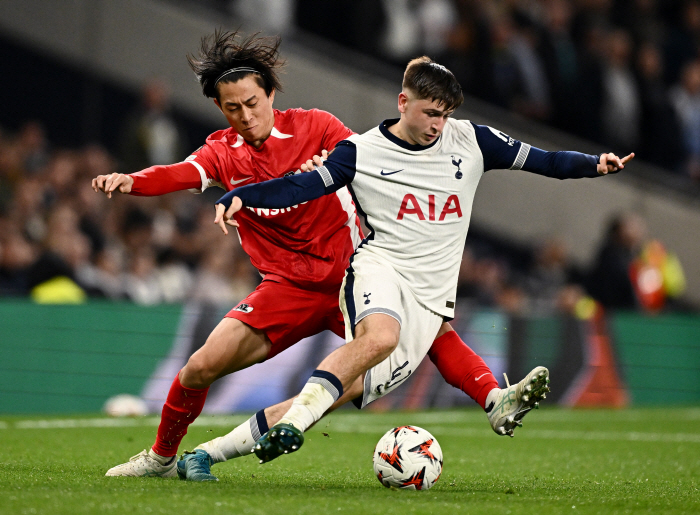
[301,252]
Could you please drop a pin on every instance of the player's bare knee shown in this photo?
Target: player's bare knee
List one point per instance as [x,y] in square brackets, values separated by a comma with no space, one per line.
[378,345]
[197,373]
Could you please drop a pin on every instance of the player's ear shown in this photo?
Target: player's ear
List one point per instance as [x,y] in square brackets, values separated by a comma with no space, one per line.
[216,101]
[272,96]
[403,100]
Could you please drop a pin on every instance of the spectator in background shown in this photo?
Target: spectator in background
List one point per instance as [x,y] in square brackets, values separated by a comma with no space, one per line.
[589,92]
[33,146]
[504,82]
[17,255]
[560,58]
[401,37]
[103,279]
[683,40]
[534,101]
[151,135]
[685,97]
[621,105]
[661,137]
[548,275]
[609,281]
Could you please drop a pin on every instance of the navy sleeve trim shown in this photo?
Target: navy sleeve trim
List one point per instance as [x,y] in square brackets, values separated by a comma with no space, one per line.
[521,157]
[325,175]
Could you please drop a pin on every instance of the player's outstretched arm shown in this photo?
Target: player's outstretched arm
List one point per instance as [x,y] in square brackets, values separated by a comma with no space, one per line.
[338,171]
[500,151]
[113,182]
[156,180]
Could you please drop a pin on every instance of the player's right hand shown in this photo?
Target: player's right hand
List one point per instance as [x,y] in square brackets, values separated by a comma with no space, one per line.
[315,161]
[112,182]
[224,216]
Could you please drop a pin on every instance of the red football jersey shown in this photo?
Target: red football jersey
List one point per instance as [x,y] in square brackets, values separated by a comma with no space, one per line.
[309,244]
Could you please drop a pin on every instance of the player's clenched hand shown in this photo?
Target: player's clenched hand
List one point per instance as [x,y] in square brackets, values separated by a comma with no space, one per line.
[224,216]
[610,163]
[113,182]
[315,161]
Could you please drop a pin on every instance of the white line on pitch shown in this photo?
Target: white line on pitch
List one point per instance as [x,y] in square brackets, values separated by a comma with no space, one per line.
[223,421]
[544,434]
[233,421]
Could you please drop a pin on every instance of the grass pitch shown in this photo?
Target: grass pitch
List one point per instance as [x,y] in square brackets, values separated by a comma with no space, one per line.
[582,461]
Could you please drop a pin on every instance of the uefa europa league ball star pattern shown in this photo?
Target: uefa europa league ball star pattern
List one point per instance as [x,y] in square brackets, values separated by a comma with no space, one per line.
[408,457]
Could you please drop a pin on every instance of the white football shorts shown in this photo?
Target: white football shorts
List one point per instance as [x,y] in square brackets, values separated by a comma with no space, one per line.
[373,286]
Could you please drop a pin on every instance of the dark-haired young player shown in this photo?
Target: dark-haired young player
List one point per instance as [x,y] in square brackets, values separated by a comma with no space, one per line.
[414,178]
[302,250]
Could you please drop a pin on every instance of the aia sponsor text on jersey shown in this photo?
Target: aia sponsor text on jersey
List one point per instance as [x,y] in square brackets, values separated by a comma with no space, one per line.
[411,206]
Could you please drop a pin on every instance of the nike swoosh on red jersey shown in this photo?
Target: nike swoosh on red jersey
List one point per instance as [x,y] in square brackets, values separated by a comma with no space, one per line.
[233,183]
[482,375]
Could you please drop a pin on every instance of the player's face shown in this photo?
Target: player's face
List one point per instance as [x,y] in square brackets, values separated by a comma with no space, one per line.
[248,109]
[422,121]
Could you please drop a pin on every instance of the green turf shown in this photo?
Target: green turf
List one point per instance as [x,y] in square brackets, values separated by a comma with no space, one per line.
[632,461]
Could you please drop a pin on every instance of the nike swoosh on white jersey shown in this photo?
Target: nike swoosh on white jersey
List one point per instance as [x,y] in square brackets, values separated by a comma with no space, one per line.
[482,375]
[233,183]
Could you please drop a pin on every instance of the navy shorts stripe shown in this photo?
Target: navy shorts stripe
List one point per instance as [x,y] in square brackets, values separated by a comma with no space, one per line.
[349,296]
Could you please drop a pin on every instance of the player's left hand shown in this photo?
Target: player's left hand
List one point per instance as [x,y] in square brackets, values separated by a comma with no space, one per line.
[224,216]
[610,163]
[315,161]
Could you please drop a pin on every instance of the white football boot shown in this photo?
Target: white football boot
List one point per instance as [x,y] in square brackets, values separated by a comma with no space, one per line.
[144,465]
[510,405]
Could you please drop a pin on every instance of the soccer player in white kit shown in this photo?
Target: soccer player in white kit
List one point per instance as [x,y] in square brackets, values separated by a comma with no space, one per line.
[414,180]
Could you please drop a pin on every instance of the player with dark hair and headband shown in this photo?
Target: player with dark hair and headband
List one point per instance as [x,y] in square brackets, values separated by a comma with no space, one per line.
[414,178]
[301,251]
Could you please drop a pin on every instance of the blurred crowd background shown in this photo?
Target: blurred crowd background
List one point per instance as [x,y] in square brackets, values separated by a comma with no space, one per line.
[625,73]
[621,72]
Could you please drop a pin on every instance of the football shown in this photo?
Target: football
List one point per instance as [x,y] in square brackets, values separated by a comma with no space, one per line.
[408,457]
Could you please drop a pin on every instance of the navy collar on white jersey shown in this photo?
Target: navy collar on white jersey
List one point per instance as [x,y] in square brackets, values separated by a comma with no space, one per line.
[384,128]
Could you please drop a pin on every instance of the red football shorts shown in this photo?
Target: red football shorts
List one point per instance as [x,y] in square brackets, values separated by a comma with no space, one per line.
[288,313]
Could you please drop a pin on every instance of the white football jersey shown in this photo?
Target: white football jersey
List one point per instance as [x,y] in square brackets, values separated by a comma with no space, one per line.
[417,200]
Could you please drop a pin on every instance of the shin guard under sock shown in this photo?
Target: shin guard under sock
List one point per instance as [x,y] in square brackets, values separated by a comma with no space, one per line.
[462,367]
[181,408]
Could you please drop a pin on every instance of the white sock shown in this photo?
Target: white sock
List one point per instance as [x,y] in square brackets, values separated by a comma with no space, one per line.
[308,407]
[491,398]
[238,442]
[163,460]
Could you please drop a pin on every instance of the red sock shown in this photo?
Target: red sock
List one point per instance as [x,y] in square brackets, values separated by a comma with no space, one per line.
[181,408]
[462,367]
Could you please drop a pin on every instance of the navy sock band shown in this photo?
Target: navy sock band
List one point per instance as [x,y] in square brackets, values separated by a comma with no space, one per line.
[329,381]
[262,422]
[258,425]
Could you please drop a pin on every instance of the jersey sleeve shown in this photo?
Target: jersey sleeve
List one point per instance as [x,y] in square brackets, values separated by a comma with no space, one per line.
[206,161]
[337,171]
[159,180]
[333,129]
[500,151]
